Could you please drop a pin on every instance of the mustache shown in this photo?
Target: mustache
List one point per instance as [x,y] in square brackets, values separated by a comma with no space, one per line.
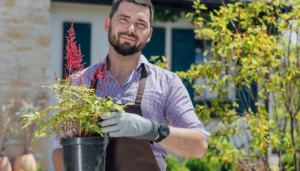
[129,35]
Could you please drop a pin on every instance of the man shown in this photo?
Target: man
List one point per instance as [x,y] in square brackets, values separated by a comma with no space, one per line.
[162,118]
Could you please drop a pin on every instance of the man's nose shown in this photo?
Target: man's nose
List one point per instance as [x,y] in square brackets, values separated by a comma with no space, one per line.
[131,28]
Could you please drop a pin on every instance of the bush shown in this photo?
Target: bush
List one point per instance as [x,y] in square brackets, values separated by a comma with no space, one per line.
[255,53]
[214,160]
[174,165]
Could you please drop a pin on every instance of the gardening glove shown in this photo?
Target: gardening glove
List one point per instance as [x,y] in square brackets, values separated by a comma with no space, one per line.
[129,125]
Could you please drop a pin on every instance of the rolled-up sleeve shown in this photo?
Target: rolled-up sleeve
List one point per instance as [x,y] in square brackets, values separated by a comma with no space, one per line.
[180,111]
[57,142]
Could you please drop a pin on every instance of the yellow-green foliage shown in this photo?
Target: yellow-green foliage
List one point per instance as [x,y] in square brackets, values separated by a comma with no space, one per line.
[75,115]
[252,43]
[160,61]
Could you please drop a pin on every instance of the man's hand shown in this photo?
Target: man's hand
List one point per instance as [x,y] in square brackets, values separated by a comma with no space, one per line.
[129,125]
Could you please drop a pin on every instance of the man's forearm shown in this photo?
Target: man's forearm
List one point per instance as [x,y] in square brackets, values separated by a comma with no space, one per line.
[185,142]
[58,159]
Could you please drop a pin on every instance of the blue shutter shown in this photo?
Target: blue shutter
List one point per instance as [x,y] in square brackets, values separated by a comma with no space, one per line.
[183,52]
[156,46]
[245,100]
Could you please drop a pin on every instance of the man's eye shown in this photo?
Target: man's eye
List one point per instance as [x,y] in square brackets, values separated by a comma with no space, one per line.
[123,19]
[141,25]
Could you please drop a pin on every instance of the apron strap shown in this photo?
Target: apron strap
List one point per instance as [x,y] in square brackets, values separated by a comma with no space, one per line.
[142,85]
[94,82]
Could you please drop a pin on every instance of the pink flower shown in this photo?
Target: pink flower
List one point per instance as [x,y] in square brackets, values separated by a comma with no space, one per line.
[100,73]
[55,76]
[74,60]
[73,54]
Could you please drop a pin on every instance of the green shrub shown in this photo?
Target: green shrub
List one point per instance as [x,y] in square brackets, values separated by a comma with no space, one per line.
[174,165]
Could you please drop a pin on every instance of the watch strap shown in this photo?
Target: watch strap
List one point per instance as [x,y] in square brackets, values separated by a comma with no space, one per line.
[159,139]
[160,136]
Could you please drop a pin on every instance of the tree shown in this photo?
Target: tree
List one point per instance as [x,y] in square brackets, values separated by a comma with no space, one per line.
[255,51]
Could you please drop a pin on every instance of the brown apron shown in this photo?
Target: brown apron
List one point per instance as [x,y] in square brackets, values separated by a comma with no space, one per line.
[129,154]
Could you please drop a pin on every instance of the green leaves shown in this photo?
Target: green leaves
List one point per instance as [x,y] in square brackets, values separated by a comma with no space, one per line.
[75,115]
[160,61]
[109,104]
[253,43]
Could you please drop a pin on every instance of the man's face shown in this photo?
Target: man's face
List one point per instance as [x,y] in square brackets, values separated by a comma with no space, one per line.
[129,29]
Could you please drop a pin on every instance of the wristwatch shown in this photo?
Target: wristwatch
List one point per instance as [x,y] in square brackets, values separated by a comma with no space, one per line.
[163,132]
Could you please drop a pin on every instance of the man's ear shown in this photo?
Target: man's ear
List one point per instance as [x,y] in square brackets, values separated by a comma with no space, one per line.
[106,24]
[150,35]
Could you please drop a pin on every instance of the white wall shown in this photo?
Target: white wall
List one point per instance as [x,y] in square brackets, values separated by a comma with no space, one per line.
[94,14]
[182,23]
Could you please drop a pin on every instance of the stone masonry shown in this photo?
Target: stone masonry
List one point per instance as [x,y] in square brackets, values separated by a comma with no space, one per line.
[24,60]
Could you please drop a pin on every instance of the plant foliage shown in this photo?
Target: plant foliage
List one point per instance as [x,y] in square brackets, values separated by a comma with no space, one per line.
[79,108]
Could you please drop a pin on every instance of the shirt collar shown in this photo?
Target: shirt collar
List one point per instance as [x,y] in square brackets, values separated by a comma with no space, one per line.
[142,60]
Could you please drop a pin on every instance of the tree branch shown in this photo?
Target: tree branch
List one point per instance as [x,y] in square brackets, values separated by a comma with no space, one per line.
[235,27]
[240,98]
[281,131]
[278,125]
[246,99]
[250,92]
[297,48]
[266,162]
[294,142]
[289,45]
[290,103]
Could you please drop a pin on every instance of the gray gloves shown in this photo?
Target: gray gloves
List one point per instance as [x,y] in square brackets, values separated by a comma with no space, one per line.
[129,125]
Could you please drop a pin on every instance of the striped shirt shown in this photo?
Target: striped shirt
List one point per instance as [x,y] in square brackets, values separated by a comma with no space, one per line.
[165,99]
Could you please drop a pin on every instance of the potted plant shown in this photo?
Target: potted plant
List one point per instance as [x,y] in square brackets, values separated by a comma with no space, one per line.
[4,160]
[6,121]
[76,116]
[26,161]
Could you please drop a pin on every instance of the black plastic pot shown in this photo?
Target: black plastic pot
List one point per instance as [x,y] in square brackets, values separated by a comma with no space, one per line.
[84,153]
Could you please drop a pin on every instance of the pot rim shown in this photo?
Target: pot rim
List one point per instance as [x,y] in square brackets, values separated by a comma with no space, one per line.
[82,141]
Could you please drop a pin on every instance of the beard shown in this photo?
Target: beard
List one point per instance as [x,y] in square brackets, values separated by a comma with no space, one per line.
[124,49]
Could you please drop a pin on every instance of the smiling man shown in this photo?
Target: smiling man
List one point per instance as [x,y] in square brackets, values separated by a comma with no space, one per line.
[162,117]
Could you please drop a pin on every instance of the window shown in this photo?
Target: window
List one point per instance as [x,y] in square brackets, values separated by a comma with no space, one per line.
[156,46]
[183,53]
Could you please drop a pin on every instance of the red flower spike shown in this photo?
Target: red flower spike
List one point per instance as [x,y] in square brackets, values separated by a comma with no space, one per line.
[55,76]
[66,74]
[74,60]
[80,80]
[99,73]
[104,72]
[96,76]
[78,60]
[73,54]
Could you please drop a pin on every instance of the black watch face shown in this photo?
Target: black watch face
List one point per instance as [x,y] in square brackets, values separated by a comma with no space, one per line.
[165,130]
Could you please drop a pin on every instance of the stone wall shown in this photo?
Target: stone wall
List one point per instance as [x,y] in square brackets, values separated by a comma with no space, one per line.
[24,60]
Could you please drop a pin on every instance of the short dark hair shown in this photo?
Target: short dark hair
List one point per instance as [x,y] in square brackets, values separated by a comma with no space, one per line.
[146,3]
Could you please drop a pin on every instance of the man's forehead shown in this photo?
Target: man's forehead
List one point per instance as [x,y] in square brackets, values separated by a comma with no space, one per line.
[129,8]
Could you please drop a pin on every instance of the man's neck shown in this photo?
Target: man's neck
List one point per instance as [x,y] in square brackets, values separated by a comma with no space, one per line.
[120,67]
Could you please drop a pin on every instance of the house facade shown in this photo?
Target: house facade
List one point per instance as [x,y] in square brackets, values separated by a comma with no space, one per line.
[25,40]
